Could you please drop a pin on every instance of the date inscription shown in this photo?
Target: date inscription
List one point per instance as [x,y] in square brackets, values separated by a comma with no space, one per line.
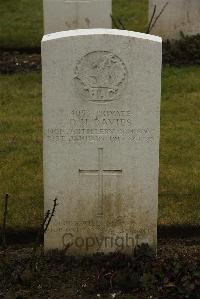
[101,126]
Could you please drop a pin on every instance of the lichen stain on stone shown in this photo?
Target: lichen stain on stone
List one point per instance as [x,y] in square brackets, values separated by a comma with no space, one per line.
[113,205]
[87,21]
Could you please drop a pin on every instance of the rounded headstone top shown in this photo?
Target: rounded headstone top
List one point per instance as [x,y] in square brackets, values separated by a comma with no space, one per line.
[114,32]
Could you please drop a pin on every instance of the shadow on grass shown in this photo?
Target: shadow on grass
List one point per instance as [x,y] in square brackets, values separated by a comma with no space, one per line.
[28,236]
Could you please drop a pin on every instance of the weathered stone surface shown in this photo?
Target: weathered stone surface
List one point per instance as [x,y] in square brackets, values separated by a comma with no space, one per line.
[101,115]
[63,15]
[178,16]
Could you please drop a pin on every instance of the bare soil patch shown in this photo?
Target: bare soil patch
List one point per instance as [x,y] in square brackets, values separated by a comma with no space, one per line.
[174,273]
[16,62]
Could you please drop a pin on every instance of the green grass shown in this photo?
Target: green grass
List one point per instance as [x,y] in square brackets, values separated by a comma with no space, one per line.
[21,22]
[21,147]
[180,146]
[132,13]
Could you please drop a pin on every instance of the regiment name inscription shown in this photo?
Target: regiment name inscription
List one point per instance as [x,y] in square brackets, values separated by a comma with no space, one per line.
[82,126]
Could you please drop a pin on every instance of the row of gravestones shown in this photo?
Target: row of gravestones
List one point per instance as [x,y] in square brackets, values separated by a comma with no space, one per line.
[174,16]
[101,120]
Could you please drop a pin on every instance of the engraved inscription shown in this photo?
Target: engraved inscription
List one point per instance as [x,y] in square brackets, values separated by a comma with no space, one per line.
[100,172]
[100,77]
[66,225]
[100,126]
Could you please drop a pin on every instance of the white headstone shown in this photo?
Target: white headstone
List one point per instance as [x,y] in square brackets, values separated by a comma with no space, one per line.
[101,116]
[178,16]
[60,15]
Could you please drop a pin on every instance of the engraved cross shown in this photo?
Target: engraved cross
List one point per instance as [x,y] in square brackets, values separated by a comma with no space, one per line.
[101,172]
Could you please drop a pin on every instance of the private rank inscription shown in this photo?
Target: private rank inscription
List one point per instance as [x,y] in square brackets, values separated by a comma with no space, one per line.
[109,126]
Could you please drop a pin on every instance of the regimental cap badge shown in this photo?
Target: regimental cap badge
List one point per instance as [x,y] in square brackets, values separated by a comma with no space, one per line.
[100,76]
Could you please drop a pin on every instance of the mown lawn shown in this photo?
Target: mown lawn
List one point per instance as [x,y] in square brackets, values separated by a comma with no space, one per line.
[21,22]
[132,13]
[180,146]
[21,147]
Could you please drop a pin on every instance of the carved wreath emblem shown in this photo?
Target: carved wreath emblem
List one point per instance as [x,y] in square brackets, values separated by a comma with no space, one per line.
[100,76]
